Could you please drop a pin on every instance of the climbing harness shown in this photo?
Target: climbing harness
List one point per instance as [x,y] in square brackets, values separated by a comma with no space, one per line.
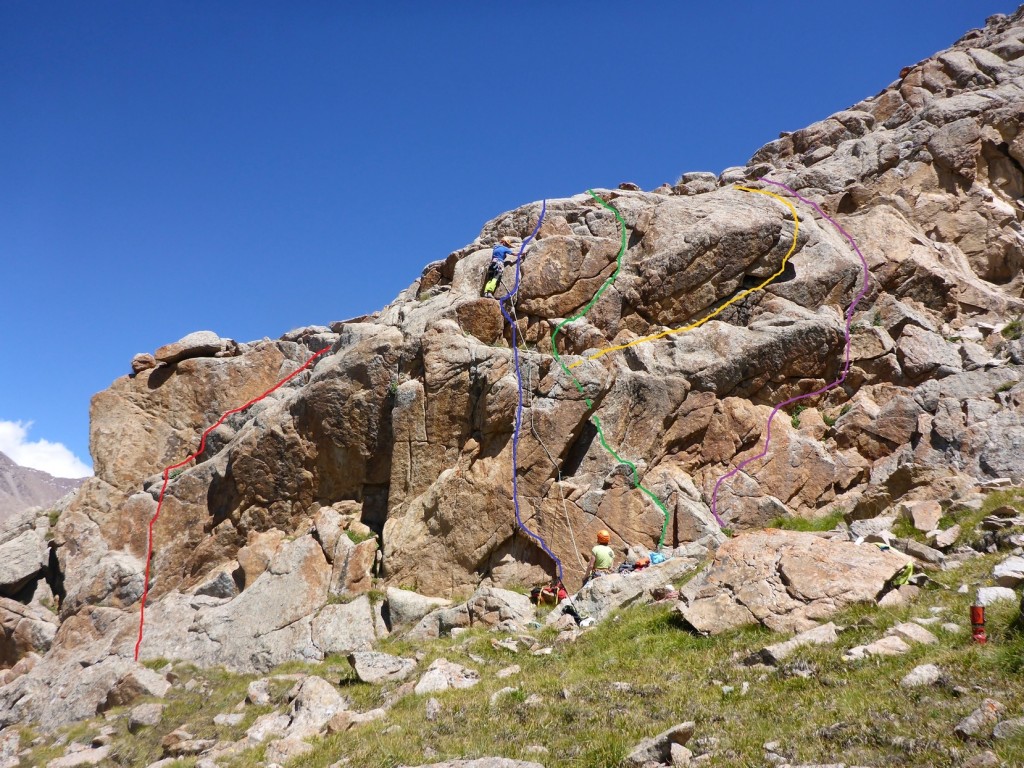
[494,272]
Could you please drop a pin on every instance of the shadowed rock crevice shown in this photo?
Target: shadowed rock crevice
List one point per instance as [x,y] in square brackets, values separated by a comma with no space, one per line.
[54,575]
[578,449]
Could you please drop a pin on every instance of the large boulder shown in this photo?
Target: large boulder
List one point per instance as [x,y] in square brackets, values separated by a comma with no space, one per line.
[777,652]
[21,559]
[1010,572]
[440,623]
[314,701]
[502,609]
[345,627]
[490,607]
[657,750]
[373,667]
[144,423]
[353,566]
[269,623]
[405,607]
[786,580]
[618,590]
[138,682]
[924,515]
[61,690]
[922,352]
[197,344]
[443,675]
[990,595]
[26,629]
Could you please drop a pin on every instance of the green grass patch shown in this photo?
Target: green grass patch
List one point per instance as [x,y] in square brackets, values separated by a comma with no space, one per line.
[1012,497]
[795,420]
[903,528]
[831,420]
[1013,330]
[358,538]
[344,599]
[794,523]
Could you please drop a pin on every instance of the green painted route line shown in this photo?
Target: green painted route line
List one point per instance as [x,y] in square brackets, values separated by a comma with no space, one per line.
[554,350]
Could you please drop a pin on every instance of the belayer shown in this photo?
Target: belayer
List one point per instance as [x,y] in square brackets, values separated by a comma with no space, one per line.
[601,557]
[498,255]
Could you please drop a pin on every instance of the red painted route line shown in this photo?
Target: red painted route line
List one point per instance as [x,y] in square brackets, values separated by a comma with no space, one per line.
[167,471]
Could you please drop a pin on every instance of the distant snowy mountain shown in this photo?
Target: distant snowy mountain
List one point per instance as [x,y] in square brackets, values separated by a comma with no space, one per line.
[21,487]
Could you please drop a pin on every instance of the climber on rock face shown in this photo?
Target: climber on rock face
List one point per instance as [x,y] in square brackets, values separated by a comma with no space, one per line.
[498,255]
[601,557]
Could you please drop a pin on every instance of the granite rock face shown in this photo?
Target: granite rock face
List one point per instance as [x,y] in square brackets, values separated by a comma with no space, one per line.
[786,580]
[390,458]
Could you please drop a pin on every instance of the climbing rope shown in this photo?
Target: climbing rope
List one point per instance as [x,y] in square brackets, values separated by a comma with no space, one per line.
[508,298]
[543,447]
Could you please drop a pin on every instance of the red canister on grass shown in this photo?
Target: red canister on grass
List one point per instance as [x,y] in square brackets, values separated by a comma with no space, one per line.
[978,623]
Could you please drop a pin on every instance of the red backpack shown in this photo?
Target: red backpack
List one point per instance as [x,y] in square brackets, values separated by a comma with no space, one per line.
[548,594]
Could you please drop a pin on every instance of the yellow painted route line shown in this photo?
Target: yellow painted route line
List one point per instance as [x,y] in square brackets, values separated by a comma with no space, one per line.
[738,297]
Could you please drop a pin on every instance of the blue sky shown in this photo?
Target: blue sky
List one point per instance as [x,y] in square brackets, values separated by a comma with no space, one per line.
[253,167]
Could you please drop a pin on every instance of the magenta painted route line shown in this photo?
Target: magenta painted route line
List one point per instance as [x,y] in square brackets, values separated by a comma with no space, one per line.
[827,387]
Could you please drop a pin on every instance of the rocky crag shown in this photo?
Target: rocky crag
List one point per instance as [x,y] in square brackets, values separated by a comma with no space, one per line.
[398,441]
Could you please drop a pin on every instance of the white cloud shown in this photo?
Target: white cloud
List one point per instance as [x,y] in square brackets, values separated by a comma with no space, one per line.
[55,458]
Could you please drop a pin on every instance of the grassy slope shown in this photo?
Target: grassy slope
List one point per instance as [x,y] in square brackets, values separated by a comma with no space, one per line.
[850,712]
[584,721]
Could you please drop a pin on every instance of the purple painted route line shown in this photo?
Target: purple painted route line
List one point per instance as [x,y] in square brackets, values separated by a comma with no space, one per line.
[510,298]
[827,387]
